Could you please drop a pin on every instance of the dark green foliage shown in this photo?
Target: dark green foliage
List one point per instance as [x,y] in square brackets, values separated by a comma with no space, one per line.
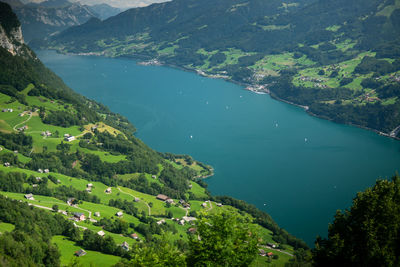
[105,244]
[345,81]
[217,58]
[11,91]
[16,141]
[371,83]
[117,226]
[371,64]
[127,206]
[374,116]
[390,90]
[160,252]
[225,240]
[8,20]
[29,243]
[63,119]
[368,233]
[12,182]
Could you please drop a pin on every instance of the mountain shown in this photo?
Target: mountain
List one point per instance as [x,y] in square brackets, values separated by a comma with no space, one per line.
[339,60]
[40,20]
[75,180]
[104,11]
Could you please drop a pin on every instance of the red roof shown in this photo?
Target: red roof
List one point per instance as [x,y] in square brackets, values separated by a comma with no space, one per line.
[270,253]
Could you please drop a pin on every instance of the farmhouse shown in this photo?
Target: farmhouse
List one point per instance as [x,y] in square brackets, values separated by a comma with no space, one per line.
[192,230]
[162,197]
[69,138]
[262,252]
[97,214]
[101,233]
[29,197]
[119,214]
[125,246]
[108,190]
[7,164]
[80,253]
[70,201]
[134,236]
[79,216]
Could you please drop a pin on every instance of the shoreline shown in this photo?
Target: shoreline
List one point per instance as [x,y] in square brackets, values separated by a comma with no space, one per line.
[145,61]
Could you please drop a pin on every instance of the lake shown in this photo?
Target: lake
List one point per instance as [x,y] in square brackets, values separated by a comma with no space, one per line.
[298,168]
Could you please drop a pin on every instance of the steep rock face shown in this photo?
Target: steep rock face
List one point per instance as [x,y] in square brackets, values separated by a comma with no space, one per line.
[12,42]
[10,31]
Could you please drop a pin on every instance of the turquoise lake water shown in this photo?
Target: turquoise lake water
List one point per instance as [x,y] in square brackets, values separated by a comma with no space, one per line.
[298,168]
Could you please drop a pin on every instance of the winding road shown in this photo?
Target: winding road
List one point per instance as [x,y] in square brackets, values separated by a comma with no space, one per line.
[134,199]
[25,121]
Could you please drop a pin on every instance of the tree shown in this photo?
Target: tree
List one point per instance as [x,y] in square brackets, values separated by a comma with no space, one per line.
[223,239]
[161,252]
[368,233]
[55,208]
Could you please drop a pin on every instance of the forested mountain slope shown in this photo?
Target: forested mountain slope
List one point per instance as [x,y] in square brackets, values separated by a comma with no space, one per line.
[68,158]
[338,58]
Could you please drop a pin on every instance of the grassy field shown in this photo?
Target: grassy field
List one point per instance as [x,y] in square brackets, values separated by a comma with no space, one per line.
[92,258]
[197,190]
[6,227]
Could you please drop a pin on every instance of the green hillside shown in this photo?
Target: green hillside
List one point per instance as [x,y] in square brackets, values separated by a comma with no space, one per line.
[73,176]
[339,60]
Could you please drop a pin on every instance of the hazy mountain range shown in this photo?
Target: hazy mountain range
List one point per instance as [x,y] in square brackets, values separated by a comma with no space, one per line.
[42,19]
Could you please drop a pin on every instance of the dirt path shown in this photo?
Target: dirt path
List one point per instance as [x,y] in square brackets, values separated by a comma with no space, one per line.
[58,203]
[25,121]
[134,198]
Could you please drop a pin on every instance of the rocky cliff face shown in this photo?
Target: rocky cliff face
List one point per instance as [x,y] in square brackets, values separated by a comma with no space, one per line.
[10,31]
[13,42]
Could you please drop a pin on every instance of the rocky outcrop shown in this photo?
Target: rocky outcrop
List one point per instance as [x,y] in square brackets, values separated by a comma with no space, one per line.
[12,42]
[10,31]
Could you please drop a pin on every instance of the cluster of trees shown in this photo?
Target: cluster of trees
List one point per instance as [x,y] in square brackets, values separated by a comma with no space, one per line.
[15,95]
[16,141]
[380,66]
[371,115]
[127,206]
[29,244]
[117,226]
[93,241]
[368,233]
[62,118]
[220,240]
